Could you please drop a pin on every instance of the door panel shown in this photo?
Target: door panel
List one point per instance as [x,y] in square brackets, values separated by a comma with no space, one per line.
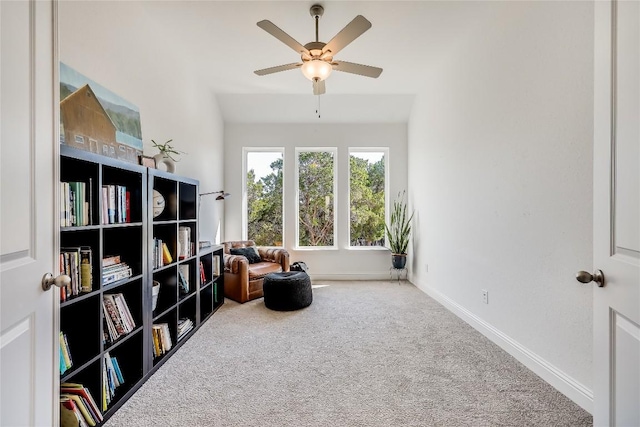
[616,213]
[28,144]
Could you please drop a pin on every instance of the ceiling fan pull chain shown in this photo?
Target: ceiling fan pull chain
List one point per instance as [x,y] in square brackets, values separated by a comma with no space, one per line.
[318,110]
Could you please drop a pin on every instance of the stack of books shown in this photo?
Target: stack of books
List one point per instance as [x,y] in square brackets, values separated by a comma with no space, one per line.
[77,407]
[113,269]
[185,249]
[184,326]
[117,315]
[161,339]
[111,379]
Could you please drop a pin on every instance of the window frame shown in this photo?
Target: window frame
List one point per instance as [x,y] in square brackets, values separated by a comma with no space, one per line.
[334,152]
[385,151]
[245,202]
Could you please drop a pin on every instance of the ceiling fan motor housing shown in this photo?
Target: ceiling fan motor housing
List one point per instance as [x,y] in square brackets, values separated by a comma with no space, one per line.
[316,10]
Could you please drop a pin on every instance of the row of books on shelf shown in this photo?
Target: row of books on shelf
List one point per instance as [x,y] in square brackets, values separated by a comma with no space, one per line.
[77,406]
[76,263]
[111,379]
[116,204]
[161,255]
[65,354]
[161,339]
[117,316]
[76,208]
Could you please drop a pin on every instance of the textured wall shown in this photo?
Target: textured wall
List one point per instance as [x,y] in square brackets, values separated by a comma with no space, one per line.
[500,174]
[117,45]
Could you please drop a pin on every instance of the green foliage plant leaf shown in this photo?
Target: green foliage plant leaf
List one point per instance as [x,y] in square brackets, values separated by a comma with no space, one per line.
[399,229]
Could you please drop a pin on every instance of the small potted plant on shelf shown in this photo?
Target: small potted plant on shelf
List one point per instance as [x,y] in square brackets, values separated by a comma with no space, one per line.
[167,151]
[398,231]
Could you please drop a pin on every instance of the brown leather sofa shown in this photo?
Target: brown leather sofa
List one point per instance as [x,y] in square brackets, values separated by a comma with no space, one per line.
[243,281]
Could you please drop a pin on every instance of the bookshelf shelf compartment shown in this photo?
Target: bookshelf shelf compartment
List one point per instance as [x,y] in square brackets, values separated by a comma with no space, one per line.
[128,243]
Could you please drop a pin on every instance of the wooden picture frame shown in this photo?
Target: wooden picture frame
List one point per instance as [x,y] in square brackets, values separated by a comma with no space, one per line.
[147,161]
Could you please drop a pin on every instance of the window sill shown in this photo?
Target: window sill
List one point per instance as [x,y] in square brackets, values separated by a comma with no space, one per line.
[315,248]
[367,248]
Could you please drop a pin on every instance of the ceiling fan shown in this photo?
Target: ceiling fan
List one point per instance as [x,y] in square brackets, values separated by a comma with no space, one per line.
[317,57]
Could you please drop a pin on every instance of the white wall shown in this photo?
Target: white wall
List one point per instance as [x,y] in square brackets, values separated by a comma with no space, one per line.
[118,45]
[342,263]
[500,174]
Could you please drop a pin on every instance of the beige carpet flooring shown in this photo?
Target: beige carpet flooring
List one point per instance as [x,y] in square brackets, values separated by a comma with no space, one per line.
[363,354]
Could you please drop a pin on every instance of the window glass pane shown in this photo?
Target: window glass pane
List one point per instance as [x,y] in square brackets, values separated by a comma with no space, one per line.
[264,197]
[367,208]
[316,198]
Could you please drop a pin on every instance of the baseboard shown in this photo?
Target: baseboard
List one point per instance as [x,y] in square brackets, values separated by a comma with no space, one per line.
[563,382]
[352,276]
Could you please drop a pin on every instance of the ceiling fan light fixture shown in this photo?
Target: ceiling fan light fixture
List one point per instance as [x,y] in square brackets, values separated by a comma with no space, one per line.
[316,69]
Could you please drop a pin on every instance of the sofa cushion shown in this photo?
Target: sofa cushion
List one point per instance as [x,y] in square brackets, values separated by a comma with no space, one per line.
[261,269]
[250,252]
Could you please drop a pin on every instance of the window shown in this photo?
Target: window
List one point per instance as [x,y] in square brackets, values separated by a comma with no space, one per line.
[264,218]
[367,196]
[316,190]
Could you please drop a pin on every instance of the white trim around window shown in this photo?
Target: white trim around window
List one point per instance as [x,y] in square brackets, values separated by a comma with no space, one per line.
[245,207]
[385,151]
[334,152]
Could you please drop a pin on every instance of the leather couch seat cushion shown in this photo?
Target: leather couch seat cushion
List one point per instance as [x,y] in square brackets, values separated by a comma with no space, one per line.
[260,269]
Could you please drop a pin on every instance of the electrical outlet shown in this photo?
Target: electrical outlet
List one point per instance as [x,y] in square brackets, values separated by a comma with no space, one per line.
[485,296]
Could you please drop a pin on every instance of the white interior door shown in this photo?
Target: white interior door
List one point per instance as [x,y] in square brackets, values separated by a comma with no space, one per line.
[617,213]
[27,246]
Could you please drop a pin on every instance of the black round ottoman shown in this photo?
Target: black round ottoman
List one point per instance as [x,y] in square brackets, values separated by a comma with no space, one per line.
[287,291]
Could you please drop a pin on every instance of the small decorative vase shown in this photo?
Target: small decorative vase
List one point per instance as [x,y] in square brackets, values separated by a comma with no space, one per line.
[398,261]
[168,163]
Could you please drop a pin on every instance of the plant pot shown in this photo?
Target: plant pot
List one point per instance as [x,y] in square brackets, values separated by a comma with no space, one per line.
[155,290]
[398,261]
[166,161]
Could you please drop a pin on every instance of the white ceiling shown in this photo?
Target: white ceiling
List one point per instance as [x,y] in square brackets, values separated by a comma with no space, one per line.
[406,39]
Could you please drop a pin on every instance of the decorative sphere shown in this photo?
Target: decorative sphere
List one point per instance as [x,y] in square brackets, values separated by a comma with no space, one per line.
[158,203]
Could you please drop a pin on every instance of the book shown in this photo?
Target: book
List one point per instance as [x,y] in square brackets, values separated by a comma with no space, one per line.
[183,278]
[86,269]
[166,255]
[128,206]
[184,242]
[70,415]
[82,407]
[110,260]
[105,204]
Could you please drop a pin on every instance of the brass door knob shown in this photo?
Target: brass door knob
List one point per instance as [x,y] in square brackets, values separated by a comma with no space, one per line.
[586,277]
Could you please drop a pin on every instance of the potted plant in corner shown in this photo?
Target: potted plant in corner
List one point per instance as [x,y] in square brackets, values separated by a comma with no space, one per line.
[398,231]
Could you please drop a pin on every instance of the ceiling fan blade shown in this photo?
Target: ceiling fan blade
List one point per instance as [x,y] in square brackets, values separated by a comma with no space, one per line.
[363,70]
[272,70]
[285,38]
[319,87]
[352,31]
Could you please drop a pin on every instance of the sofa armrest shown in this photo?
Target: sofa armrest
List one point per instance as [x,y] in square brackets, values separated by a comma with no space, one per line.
[236,264]
[277,255]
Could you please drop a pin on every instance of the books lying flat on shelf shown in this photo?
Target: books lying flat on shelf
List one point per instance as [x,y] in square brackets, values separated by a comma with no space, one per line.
[117,316]
[161,339]
[65,354]
[77,263]
[112,379]
[77,407]
[184,326]
[114,272]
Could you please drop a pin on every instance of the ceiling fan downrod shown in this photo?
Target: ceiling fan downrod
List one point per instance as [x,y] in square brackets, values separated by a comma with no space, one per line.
[316,11]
